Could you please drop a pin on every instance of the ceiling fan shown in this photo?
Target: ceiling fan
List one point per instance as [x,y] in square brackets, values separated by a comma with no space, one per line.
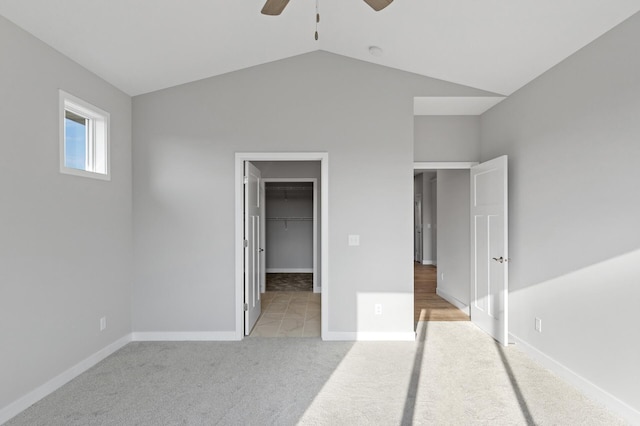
[275,7]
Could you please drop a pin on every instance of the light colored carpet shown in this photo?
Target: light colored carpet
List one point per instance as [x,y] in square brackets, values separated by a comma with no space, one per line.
[455,375]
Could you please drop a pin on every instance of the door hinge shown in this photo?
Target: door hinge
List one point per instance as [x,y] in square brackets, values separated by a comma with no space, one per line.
[246,307]
[245,243]
[245,180]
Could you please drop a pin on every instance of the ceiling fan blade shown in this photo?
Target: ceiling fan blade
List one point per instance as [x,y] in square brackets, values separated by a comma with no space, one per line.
[378,5]
[274,7]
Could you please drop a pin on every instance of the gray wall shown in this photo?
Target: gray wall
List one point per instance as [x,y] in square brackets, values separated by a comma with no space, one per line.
[289,244]
[446,138]
[65,240]
[573,140]
[185,140]
[454,236]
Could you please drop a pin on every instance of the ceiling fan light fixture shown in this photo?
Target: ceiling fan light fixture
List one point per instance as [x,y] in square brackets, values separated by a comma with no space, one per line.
[275,7]
[378,5]
[375,51]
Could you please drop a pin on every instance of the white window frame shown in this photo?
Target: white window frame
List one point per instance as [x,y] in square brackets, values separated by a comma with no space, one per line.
[98,161]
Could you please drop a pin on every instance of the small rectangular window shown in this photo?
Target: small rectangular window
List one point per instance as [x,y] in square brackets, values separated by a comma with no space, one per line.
[84,138]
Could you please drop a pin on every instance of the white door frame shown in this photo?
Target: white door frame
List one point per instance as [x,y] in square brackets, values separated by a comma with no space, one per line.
[314,181]
[240,158]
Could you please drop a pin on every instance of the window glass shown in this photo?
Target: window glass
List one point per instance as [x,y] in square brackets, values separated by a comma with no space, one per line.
[75,145]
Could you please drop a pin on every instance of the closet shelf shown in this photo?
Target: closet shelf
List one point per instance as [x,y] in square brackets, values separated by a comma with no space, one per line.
[289,218]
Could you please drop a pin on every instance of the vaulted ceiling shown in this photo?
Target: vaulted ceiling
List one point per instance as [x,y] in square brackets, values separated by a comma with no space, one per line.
[146,45]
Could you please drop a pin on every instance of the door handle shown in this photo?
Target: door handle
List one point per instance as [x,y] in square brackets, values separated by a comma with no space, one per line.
[501,259]
[261,250]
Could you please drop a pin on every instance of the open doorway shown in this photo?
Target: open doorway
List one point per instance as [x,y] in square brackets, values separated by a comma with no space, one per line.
[292,257]
[442,272]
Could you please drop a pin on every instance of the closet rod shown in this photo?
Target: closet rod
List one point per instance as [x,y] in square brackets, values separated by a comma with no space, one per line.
[289,188]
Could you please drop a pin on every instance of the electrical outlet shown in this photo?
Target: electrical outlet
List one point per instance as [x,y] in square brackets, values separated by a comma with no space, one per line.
[378,309]
[354,240]
[538,325]
[103,323]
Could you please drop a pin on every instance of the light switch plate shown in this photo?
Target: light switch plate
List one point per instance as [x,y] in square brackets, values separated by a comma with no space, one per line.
[354,240]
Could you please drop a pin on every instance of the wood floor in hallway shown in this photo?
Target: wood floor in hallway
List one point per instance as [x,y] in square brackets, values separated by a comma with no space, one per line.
[428,306]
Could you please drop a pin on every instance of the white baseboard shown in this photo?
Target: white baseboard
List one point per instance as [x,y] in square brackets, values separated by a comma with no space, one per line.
[587,387]
[409,336]
[428,262]
[184,336]
[61,379]
[455,302]
[289,270]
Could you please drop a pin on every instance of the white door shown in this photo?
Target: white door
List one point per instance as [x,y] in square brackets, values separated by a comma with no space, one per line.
[489,250]
[252,257]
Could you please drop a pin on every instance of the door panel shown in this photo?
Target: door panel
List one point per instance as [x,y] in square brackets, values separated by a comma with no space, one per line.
[489,248]
[479,294]
[497,280]
[252,257]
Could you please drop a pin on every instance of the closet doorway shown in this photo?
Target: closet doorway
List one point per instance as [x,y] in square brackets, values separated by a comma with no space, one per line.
[290,233]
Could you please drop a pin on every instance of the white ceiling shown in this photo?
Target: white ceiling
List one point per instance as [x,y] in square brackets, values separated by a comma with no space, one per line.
[145,45]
